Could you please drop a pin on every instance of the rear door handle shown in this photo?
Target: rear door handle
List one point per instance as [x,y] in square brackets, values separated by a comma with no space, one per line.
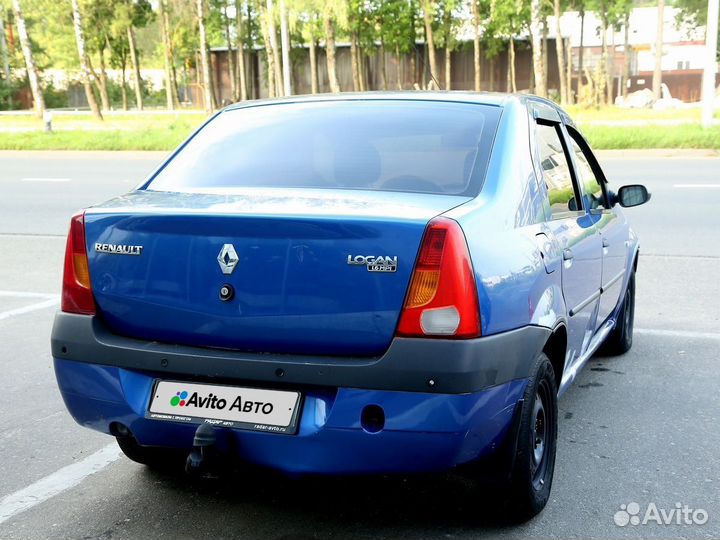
[606,242]
[567,254]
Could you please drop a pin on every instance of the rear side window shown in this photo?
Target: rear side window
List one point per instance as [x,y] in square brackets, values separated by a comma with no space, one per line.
[555,170]
[387,145]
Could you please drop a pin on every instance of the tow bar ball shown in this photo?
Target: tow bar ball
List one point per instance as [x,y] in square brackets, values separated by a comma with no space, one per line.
[227,292]
[203,460]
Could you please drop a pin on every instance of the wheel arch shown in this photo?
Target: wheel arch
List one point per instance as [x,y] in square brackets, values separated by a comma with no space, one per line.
[556,348]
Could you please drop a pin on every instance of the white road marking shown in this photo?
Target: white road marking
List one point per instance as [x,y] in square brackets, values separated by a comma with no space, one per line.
[43,236]
[44,179]
[23,294]
[696,186]
[59,481]
[677,333]
[27,309]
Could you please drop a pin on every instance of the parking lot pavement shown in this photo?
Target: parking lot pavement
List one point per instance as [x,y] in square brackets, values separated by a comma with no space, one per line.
[641,428]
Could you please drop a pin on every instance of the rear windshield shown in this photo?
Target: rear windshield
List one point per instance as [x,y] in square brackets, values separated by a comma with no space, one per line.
[386,145]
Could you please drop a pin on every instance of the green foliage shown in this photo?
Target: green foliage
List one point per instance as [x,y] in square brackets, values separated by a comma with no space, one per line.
[506,19]
[693,13]
[682,136]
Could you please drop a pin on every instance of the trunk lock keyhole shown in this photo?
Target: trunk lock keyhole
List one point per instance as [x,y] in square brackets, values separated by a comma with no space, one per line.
[227,292]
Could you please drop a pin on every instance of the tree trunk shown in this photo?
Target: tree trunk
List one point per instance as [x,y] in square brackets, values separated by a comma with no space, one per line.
[230,56]
[170,97]
[581,50]
[383,64]
[269,57]
[559,49]
[568,71]
[313,67]
[398,67]
[601,71]
[508,75]
[5,60]
[38,100]
[447,23]
[657,74]
[413,65]
[536,36]
[545,52]
[208,94]
[609,73]
[476,43]
[84,66]
[330,50]
[448,67]
[491,82]
[136,68]
[428,10]
[123,88]
[285,41]
[354,64]
[272,32]
[361,68]
[241,82]
[626,53]
[513,76]
[104,97]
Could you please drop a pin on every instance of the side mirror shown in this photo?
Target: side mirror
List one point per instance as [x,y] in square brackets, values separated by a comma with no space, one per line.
[632,195]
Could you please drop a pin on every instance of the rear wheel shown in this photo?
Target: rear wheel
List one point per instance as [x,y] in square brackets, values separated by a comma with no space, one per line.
[620,339]
[534,462]
[153,456]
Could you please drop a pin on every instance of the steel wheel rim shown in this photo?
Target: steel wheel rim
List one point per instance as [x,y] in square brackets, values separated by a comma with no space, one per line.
[540,435]
[539,431]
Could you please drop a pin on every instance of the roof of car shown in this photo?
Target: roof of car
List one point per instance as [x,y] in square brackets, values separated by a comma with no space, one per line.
[484,98]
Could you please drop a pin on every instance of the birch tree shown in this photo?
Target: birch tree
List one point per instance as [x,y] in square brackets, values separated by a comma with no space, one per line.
[536,38]
[240,30]
[329,24]
[208,94]
[4,53]
[285,43]
[272,34]
[429,7]
[171,97]
[32,72]
[560,52]
[657,73]
[84,64]
[476,42]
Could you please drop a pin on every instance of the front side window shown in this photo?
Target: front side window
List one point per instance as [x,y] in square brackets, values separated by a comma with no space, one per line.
[555,170]
[593,196]
[386,145]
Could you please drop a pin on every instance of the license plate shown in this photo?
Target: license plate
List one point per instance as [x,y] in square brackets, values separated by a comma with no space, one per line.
[225,406]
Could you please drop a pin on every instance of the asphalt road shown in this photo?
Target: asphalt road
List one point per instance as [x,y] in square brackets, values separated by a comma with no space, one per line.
[640,428]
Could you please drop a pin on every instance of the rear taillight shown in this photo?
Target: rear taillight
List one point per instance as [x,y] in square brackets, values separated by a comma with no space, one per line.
[77,296]
[442,300]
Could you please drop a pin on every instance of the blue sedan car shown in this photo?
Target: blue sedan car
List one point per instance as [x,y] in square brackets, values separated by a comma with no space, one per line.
[352,284]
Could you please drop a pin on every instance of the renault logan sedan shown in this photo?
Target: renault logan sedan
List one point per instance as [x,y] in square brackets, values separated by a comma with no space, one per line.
[380,283]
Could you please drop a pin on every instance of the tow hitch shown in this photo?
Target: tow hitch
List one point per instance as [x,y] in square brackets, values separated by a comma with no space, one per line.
[204,460]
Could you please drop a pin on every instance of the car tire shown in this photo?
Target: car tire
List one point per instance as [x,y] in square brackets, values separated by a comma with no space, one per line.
[620,339]
[154,457]
[533,466]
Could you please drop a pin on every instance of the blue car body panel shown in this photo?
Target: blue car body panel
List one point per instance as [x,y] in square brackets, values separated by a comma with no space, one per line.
[292,278]
[422,432]
[295,283]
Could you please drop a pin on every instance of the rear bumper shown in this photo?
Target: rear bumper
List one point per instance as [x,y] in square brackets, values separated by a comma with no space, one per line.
[422,432]
[440,366]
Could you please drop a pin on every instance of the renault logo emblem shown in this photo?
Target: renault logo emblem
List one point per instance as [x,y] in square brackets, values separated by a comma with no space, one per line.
[228,259]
